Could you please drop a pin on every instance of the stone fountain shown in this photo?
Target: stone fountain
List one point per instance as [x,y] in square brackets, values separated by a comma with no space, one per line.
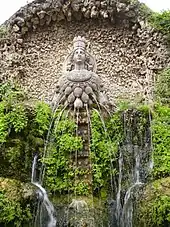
[80,89]
[128,56]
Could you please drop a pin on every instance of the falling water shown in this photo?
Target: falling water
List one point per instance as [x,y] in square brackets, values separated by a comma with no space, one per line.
[151,163]
[127,212]
[46,202]
[118,201]
[89,133]
[134,166]
[48,206]
[33,175]
[137,165]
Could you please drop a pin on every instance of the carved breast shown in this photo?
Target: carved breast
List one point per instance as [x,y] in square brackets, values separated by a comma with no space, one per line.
[78,88]
[79,75]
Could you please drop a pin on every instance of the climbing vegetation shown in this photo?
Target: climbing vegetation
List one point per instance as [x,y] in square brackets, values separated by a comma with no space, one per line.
[12,211]
[107,134]
[161,21]
[42,118]
[61,171]
[161,141]
[23,127]
[162,90]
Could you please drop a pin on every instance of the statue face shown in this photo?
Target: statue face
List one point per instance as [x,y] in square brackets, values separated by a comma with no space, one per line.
[79,56]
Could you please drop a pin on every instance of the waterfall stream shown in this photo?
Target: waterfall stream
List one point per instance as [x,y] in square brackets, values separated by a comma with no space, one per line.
[125,211]
[136,174]
[118,197]
[46,203]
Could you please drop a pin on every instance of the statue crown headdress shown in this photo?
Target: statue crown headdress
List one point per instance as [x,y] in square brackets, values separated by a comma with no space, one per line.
[79,42]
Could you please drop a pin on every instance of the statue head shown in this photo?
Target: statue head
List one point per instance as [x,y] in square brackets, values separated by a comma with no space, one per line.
[79,48]
[79,56]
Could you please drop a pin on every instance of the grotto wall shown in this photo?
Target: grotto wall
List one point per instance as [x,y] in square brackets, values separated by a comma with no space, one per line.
[128,53]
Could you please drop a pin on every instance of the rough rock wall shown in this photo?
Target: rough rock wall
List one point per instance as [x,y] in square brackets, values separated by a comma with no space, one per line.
[128,57]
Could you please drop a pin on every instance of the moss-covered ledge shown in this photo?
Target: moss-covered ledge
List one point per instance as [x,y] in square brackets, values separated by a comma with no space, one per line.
[154,207]
[16,200]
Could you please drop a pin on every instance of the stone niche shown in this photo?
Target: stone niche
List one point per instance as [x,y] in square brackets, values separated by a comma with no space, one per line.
[128,57]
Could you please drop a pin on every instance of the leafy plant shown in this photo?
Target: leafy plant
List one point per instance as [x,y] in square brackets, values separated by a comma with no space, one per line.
[3,124]
[155,205]
[161,21]
[12,211]
[161,141]
[42,118]
[22,131]
[163,86]
[17,117]
[60,173]
[104,148]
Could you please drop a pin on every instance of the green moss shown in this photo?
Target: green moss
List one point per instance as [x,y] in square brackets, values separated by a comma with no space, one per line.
[3,31]
[154,207]
[15,209]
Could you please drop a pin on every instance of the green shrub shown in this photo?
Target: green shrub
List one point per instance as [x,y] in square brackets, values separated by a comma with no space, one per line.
[161,141]
[23,128]
[163,86]
[161,21]
[105,140]
[154,206]
[60,173]
[13,211]
[42,117]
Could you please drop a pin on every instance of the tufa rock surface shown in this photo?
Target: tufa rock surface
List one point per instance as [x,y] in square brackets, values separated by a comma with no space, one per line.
[128,54]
